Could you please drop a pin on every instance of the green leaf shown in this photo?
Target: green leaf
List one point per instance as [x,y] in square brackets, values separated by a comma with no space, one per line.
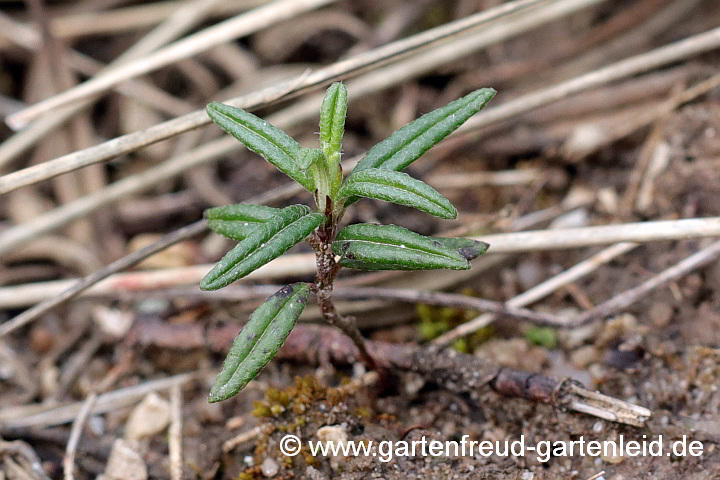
[400,188]
[390,247]
[411,141]
[268,141]
[267,241]
[309,157]
[237,221]
[332,120]
[260,339]
[467,247]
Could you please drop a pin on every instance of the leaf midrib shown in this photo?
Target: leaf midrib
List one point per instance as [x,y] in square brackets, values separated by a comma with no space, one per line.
[399,246]
[402,190]
[265,243]
[259,339]
[261,134]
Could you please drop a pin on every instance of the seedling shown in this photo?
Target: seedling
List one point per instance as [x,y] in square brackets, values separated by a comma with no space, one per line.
[265,233]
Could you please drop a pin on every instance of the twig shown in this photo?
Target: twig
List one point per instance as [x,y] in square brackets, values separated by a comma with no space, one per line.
[539,291]
[639,232]
[243,437]
[304,264]
[452,370]
[52,415]
[134,17]
[121,264]
[646,117]
[627,298]
[627,203]
[218,34]
[75,433]
[479,179]
[287,118]
[77,363]
[644,62]
[22,449]
[201,41]
[442,299]
[361,62]
[175,25]
[460,373]
[597,475]
[238,293]
[175,443]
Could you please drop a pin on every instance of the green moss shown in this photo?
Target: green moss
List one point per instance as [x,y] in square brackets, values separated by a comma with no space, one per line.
[543,336]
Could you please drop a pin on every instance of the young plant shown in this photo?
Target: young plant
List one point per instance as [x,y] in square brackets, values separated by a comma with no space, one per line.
[265,233]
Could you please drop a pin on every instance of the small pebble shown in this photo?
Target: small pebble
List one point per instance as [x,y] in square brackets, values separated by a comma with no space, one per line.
[96,424]
[660,313]
[338,435]
[584,356]
[41,340]
[529,274]
[150,417]
[113,322]
[269,467]
[125,463]
[613,459]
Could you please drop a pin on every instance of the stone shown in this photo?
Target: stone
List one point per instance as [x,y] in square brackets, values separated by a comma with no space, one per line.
[338,435]
[660,314]
[584,356]
[269,468]
[125,463]
[149,418]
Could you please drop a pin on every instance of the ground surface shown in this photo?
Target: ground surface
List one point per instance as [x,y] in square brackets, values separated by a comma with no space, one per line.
[609,146]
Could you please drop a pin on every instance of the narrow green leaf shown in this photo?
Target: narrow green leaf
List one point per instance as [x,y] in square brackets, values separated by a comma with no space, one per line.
[332,120]
[411,141]
[259,340]
[467,247]
[390,247]
[237,221]
[266,242]
[268,141]
[400,188]
[309,157]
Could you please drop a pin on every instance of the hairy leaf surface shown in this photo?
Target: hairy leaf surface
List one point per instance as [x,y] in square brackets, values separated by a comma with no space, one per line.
[410,142]
[400,188]
[390,247]
[268,141]
[260,339]
[332,120]
[237,221]
[266,242]
[467,247]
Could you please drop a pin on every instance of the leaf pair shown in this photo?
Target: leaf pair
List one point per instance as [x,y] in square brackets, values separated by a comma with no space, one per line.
[264,243]
[260,340]
[390,247]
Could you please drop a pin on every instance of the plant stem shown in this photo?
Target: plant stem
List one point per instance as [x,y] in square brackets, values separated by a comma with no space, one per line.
[327,269]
